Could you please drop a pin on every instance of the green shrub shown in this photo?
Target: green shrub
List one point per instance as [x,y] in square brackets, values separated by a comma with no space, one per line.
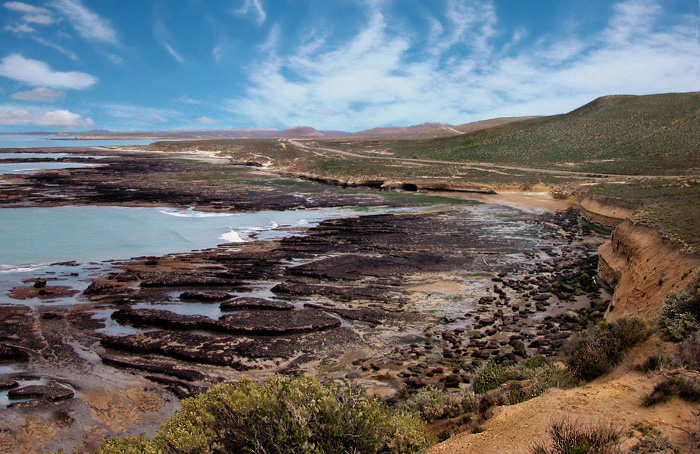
[522,382]
[494,375]
[570,438]
[597,351]
[680,314]
[129,445]
[549,376]
[285,415]
[431,404]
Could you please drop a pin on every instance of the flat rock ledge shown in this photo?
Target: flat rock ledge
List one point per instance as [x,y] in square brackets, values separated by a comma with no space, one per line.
[255,304]
[260,323]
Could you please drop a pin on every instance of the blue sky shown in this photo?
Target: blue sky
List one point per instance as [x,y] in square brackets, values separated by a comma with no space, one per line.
[332,64]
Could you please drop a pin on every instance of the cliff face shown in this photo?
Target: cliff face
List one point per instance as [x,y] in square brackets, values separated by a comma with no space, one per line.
[602,212]
[641,265]
[643,268]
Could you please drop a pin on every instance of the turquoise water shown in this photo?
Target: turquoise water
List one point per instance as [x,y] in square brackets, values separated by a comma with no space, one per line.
[29,167]
[31,236]
[34,155]
[44,142]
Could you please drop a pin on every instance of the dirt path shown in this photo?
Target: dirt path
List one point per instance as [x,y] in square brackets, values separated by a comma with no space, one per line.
[470,165]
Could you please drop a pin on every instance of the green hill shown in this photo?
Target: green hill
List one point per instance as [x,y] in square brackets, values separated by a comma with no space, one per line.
[654,134]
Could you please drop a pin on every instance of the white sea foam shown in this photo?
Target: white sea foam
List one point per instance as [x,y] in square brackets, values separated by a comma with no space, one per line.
[195,214]
[7,269]
[232,237]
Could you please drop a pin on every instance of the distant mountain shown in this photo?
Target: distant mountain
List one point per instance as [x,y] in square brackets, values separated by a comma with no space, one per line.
[421,131]
[484,124]
[301,131]
[394,130]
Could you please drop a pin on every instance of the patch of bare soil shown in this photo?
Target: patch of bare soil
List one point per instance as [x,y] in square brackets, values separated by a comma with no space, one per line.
[515,429]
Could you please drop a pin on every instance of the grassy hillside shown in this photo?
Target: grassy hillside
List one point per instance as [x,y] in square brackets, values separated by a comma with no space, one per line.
[653,134]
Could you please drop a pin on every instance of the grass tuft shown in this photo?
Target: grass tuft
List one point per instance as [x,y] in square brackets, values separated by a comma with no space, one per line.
[567,437]
[685,388]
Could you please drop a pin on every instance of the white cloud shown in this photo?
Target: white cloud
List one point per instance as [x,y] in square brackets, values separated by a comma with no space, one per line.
[19,28]
[25,8]
[269,46]
[174,54]
[30,15]
[187,100]
[205,121]
[9,115]
[88,24]
[38,73]
[255,7]
[42,19]
[217,53]
[38,94]
[458,73]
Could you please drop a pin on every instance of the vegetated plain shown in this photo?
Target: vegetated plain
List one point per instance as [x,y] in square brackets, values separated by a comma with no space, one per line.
[639,152]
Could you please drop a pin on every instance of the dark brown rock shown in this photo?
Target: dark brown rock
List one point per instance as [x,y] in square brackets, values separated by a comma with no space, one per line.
[255,304]
[204,296]
[53,392]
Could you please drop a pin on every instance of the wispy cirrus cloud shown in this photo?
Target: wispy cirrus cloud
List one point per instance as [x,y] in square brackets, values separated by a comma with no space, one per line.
[31,16]
[133,114]
[382,76]
[255,7]
[173,54]
[40,74]
[88,24]
[205,121]
[50,44]
[13,116]
[40,94]
[187,100]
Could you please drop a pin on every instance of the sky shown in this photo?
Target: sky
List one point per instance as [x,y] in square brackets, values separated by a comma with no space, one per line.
[332,64]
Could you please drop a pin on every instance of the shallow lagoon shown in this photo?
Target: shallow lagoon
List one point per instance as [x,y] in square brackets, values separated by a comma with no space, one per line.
[50,141]
[97,233]
[30,167]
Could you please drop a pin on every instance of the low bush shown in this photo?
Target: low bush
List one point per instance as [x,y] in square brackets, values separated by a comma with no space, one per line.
[684,387]
[494,375]
[521,382]
[549,376]
[567,437]
[432,404]
[285,415]
[597,351]
[680,314]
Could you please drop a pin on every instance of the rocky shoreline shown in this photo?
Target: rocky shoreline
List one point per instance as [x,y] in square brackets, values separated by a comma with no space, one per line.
[391,302]
[349,285]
